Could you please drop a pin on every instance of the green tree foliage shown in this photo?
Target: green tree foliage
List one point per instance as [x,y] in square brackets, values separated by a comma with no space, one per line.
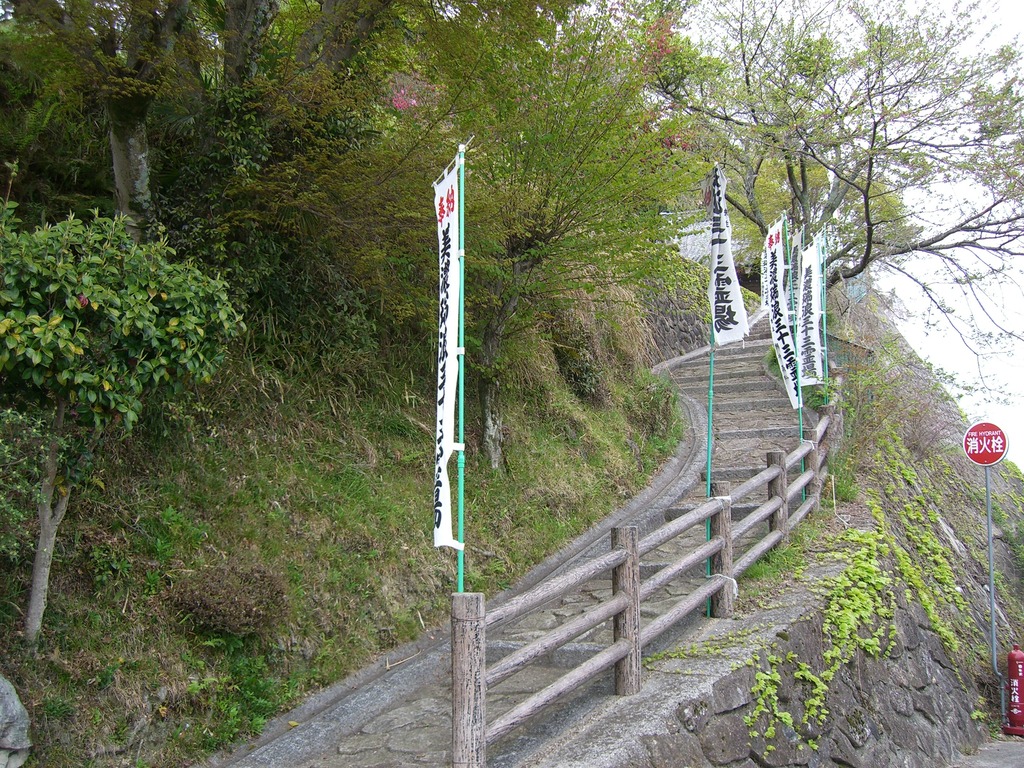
[121,55]
[570,168]
[893,126]
[21,458]
[92,325]
[56,160]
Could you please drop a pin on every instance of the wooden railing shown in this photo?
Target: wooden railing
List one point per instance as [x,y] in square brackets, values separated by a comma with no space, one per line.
[471,678]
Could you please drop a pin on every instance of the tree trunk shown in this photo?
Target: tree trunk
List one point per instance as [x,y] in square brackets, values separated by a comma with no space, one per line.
[129,148]
[491,436]
[49,519]
[50,516]
[133,76]
[341,29]
[246,23]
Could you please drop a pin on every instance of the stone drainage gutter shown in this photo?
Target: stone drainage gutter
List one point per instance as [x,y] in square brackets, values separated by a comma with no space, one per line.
[908,709]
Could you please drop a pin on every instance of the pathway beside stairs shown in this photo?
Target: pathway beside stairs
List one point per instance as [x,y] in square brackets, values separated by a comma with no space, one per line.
[397,713]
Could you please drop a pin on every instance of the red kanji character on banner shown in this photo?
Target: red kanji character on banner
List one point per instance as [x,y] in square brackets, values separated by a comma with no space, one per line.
[441,211]
[451,199]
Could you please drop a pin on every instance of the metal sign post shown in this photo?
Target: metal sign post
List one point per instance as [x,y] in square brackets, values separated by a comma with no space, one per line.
[985,444]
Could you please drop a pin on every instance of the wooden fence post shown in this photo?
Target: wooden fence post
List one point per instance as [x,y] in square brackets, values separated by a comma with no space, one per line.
[779,521]
[469,683]
[626,625]
[813,463]
[833,433]
[721,562]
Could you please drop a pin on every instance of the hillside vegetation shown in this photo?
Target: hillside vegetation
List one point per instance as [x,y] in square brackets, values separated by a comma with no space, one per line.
[219,280]
[903,527]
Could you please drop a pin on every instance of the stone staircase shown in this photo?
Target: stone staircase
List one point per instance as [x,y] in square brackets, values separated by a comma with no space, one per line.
[751,412]
[751,416]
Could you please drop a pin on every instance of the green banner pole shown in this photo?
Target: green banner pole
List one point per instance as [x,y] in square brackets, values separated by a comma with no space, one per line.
[711,400]
[462,365]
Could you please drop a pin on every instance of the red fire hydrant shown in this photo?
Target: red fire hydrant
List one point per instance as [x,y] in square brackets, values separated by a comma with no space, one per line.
[1015,685]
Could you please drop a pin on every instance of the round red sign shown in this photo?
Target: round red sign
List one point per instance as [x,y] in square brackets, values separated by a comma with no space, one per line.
[985,444]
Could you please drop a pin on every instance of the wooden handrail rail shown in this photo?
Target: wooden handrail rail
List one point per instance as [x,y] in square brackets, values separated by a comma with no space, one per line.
[753,554]
[555,587]
[797,486]
[823,424]
[766,510]
[695,600]
[554,639]
[563,685]
[653,583]
[801,512]
[794,457]
[665,533]
[747,487]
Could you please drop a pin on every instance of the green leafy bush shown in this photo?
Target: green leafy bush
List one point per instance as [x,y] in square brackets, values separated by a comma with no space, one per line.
[21,462]
[93,318]
[92,324]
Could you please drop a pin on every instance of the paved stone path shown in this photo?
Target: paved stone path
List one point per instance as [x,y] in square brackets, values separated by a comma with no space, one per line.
[999,754]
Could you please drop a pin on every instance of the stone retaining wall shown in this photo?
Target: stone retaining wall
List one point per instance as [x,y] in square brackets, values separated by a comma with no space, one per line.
[675,328]
[910,709]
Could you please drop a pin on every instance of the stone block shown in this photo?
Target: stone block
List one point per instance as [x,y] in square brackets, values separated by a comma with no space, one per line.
[733,690]
[14,740]
[725,739]
[674,750]
[858,727]
[694,715]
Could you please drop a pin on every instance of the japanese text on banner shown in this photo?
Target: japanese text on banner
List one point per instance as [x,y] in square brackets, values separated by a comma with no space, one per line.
[728,315]
[778,322]
[446,207]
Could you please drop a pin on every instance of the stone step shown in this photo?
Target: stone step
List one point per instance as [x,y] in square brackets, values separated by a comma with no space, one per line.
[749,358]
[730,474]
[753,449]
[757,432]
[735,422]
[739,511]
[568,656]
[755,399]
[750,387]
[743,405]
[752,349]
[648,569]
[745,376]
[742,371]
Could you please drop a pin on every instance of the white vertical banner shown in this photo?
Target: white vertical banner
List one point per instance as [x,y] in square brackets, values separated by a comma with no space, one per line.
[809,315]
[764,278]
[446,208]
[778,310]
[728,315]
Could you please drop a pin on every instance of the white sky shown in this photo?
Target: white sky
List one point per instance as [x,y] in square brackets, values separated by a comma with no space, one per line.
[996,375]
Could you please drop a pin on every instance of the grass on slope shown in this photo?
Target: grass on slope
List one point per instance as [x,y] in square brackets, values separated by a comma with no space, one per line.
[275,535]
